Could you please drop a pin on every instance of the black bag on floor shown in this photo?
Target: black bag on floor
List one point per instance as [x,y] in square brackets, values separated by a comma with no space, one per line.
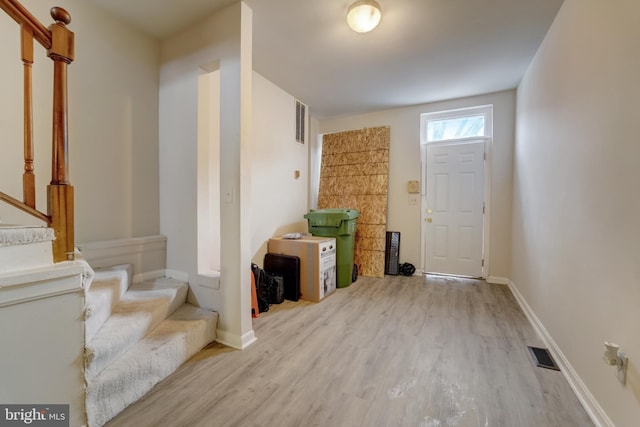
[274,287]
[269,288]
[263,302]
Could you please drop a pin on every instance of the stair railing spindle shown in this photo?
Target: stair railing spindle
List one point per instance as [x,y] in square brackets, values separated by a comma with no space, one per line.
[28,177]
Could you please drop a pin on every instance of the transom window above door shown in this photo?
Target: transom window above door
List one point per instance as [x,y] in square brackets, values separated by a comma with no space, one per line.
[456,124]
[460,127]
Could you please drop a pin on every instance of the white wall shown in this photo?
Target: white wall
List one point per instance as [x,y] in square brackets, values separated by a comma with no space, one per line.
[404,165]
[113,123]
[576,233]
[221,41]
[278,198]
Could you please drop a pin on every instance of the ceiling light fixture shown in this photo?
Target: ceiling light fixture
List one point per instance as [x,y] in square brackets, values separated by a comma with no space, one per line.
[363,16]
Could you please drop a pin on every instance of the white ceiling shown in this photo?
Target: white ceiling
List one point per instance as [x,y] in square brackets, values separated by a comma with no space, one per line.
[422,51]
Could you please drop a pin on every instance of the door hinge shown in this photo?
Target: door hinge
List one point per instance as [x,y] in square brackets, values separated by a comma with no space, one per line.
[483,207]
[483,262]
[484,157]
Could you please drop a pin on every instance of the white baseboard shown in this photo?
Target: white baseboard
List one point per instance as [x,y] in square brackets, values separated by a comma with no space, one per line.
[176,274]
[588,401]
[171,274]
[210,280]
[497,280]
[234,340]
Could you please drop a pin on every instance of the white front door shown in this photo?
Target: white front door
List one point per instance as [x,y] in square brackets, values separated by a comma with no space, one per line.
[454,205]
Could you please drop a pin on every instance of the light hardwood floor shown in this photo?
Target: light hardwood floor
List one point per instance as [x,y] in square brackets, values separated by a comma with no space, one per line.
[421,351]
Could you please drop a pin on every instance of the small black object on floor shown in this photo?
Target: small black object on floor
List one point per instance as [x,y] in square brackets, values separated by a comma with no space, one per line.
[542,358]
[407,269]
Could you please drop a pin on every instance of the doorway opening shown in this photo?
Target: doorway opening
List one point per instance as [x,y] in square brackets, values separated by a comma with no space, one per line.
[208,178]
[456,153]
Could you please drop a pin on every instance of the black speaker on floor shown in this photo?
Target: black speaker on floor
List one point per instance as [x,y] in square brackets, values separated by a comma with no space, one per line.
[288,267]
[392,253]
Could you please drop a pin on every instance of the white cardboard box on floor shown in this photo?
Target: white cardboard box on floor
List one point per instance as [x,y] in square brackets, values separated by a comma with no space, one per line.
[317,263]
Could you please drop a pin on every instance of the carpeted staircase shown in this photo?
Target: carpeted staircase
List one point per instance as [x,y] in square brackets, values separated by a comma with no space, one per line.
[136,335]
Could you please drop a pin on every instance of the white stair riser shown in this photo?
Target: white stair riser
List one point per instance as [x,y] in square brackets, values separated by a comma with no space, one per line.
[25,247]
[23,257]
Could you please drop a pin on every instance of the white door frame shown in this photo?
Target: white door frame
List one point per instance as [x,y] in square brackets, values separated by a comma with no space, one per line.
[487,198]
[487,111]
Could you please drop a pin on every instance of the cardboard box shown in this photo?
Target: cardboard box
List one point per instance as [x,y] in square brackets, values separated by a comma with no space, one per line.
[317,263]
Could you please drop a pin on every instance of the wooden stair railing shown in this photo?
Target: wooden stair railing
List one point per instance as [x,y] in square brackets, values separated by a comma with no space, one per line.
[59,42]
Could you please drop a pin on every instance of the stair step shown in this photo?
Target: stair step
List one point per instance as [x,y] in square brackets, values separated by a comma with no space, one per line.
[159,288]
[107,288]
[149,361]
[140,310]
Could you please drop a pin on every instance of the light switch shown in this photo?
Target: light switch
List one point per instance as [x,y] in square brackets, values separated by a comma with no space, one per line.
[227,196]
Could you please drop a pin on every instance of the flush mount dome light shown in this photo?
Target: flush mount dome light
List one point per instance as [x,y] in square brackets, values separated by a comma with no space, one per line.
[363,16]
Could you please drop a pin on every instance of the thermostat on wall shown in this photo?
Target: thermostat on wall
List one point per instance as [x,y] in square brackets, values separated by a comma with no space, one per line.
[413,186]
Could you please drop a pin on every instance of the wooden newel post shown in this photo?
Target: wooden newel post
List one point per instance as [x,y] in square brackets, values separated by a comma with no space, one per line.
[59,191]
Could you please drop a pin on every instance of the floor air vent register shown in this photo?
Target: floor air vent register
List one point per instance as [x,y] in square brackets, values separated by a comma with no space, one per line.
[542,358]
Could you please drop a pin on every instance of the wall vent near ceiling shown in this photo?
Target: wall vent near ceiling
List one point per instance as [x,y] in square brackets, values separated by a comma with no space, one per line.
[301,114]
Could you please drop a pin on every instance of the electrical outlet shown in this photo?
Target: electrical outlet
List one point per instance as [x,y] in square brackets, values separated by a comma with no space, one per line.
[623,362]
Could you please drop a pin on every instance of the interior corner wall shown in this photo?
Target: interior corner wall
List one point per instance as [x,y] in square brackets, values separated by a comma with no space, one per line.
[404,165]
[222,40]
[278,194]
[576,234]
[113,122]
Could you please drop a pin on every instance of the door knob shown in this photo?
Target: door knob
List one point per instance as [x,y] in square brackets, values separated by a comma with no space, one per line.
[429,220]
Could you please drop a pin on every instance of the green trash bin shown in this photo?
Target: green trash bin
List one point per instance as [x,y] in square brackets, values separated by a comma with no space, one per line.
[340,224]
